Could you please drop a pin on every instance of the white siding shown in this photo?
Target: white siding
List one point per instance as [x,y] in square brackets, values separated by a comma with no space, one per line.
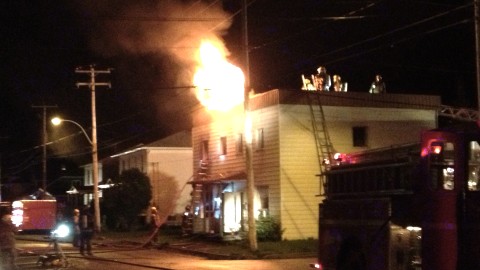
[298,167]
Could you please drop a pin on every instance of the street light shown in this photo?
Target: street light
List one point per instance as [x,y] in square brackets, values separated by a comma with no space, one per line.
[96,202]
[57,121]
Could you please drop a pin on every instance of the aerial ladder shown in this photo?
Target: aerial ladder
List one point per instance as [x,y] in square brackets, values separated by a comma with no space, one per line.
[463,114]
[323,143]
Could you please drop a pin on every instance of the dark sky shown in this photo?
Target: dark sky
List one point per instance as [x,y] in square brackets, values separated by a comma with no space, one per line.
[420,47]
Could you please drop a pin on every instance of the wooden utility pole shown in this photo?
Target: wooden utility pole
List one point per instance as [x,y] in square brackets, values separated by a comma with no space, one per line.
[44,145]
[252,228]
[476,8]
[91,85]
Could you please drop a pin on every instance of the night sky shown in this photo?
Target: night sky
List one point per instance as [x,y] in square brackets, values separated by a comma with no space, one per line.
[420,47]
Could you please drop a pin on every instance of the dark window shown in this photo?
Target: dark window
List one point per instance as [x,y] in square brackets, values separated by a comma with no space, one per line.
[260,142]
[239,144]
[223,146]
[359,136]
[204,149]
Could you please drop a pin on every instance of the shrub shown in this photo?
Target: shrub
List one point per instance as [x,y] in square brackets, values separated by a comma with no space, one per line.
[268,229]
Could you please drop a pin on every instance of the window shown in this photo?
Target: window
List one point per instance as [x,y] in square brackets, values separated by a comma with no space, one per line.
[260,142]
[474,167]
[359,136]
[264,201]
[223,146]
[442,164]
[239,144]
[204,151]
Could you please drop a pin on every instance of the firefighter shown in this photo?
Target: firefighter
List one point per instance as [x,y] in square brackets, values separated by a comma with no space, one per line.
[86,230]
[187,225]
[154,224]
[378,85]
[338,85]
[7,241]
[322,80]
[76,227]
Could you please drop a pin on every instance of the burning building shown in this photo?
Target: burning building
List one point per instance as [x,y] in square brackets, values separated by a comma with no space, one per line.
[286,159]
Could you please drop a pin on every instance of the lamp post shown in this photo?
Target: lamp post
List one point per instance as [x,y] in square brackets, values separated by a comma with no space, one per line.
[96,202]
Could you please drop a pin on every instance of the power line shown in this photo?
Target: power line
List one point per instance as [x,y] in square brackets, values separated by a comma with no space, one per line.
[394,31]
[301,33]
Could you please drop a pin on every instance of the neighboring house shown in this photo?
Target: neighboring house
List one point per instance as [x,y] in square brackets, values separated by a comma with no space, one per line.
[87,192]
[168,164]
[285,159]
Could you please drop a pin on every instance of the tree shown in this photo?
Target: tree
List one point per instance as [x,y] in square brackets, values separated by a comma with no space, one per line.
[130,195]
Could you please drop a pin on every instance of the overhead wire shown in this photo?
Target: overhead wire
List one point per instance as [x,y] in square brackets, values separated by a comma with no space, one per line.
[367,51]
[436,16]
[302,33]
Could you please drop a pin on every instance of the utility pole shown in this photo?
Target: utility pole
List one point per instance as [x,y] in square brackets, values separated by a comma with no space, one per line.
[252,228]
[91,85]
[1,138]
[476,7]
[44,144]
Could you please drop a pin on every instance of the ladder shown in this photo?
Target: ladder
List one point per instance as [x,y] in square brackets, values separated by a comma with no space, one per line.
[464,114]
[322,138]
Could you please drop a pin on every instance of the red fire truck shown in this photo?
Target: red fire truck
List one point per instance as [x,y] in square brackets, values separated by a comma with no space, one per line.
[33,215]
[408,207]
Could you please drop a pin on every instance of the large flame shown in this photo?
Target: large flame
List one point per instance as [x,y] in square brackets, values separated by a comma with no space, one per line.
[219,84]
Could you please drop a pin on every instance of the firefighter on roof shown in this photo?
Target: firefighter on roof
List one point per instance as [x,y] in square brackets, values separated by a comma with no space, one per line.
[378,86]
[322,80]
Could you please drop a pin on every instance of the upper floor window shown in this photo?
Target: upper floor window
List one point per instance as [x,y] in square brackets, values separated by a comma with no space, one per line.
[359,135]
[260,140]
[204,151]
[239,144]
[223,146]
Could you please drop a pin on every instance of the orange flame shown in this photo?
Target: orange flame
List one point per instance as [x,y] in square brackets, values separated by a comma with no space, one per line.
[219,84]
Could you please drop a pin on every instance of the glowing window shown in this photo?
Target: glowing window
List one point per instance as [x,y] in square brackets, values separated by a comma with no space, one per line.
[442,164]
[474,166]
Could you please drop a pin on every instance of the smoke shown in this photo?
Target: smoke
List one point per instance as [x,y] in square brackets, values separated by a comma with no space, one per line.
[165,28]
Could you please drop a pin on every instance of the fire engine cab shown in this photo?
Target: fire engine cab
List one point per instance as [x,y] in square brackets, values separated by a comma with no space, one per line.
[407,207]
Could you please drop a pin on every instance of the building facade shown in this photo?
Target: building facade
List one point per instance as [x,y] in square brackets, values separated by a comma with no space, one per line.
[285,158]
[167,162]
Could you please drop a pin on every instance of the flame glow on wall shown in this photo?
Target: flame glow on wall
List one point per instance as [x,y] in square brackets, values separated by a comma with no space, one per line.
[219,84]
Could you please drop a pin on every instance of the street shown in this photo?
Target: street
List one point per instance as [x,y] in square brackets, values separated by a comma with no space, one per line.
[129,257]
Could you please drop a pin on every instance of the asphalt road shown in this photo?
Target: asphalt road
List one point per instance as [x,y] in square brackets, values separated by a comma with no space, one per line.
[130,257]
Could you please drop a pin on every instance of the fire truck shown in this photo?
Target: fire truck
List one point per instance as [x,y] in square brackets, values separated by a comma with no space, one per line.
[34,215]
[414,206]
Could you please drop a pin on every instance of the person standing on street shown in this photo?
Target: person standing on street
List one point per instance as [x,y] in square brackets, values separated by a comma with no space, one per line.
[86,230]
[8,251]
[154,225]
[76,228]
